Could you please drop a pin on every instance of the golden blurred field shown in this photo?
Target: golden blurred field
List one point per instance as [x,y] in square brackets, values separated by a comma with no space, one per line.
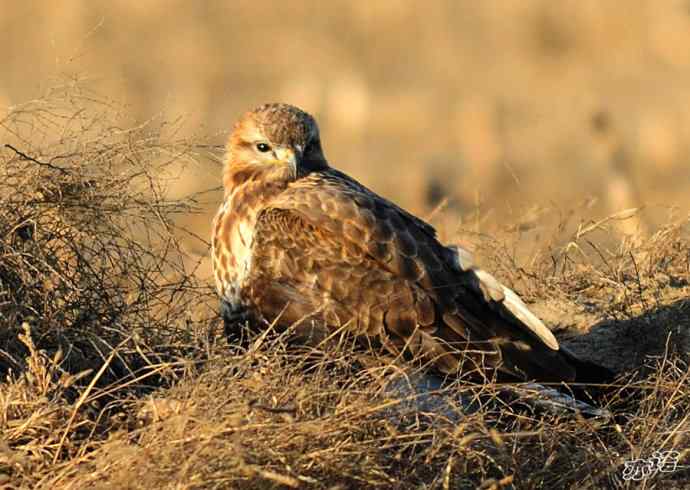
[552,138]
[498,105]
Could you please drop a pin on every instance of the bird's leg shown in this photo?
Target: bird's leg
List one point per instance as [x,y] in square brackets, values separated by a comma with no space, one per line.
[237,322]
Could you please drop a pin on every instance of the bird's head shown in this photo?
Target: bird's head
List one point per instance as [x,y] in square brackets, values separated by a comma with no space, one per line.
[275,139]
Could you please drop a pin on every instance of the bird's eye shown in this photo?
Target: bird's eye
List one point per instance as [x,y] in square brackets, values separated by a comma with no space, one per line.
[263,147]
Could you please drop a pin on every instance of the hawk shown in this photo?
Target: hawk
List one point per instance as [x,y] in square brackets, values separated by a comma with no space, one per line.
[301,244]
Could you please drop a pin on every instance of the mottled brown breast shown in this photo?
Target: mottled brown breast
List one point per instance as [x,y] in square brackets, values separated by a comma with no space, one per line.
[233,234]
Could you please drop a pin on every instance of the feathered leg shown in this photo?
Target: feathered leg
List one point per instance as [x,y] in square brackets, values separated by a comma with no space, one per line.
[237,323]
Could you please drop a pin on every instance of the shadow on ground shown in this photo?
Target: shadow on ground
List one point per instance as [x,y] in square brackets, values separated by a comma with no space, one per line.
[624,345]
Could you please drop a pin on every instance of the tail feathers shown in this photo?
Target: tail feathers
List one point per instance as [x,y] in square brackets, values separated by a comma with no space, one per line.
[555,401]
[548,366]
[587,371]
[420,392]
[501,299]
[538,363]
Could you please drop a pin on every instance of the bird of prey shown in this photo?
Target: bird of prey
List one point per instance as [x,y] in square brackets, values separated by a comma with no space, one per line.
[301,244]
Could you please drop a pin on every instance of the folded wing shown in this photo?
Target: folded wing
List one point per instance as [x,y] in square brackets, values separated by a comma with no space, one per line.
[330,248]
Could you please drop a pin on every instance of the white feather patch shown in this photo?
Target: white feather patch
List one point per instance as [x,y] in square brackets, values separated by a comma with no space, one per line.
[502,294]
[463,259]
[516,306]
[490,285]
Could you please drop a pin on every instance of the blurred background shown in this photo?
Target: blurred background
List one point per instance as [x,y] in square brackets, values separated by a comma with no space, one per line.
[500,110]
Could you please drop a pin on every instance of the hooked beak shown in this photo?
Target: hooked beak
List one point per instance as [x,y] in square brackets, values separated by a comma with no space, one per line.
[287,157]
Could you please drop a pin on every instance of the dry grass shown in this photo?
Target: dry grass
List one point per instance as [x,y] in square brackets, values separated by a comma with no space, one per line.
[114,375]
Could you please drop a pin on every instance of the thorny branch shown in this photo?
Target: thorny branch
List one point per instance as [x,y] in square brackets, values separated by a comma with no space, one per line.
[24,156]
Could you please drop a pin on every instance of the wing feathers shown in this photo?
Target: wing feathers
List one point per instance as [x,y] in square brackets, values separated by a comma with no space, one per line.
[373,263]
[489,286]
[497,295]
[462,259]
[515,305]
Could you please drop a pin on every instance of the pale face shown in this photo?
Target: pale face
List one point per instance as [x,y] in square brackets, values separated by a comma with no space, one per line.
[250,145]
[277,136]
